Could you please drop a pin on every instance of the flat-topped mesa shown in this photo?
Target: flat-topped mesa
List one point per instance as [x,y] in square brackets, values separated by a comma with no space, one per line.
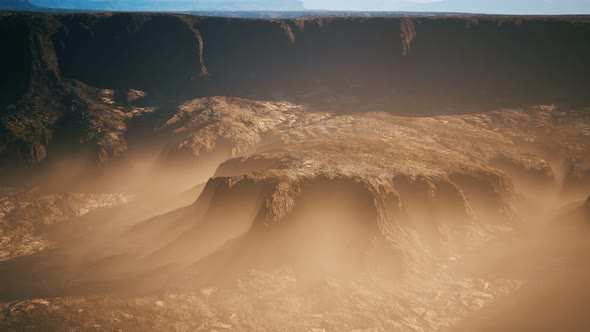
[332,223]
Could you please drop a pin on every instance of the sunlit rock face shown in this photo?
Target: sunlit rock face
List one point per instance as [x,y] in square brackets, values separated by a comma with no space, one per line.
[263,178]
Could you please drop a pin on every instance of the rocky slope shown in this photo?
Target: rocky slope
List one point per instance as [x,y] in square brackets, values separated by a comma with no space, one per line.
[345,222]
[414,185]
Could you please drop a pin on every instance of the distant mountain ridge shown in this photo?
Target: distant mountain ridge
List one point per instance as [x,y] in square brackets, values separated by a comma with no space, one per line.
[502,7]
[296,8]
[282,9]
[247,9]
[151,5]
[17,5]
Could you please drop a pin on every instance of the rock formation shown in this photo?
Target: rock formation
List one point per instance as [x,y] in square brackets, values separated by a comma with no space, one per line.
[366,160]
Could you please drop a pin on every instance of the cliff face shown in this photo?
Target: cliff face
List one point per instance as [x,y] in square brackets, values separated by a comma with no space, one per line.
[69,71]
[455,61]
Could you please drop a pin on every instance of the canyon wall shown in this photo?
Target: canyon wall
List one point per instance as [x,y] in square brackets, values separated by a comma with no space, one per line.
[413,64]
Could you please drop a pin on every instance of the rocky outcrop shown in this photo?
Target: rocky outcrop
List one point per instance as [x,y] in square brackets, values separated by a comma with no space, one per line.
[25,215]
[230,126]
[86,123]
[408,33]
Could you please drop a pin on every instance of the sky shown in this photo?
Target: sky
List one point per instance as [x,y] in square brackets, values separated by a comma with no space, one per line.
[473,6]
[464,6]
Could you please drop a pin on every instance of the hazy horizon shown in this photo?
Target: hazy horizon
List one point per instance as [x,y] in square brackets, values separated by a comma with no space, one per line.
[464,6]
[524,7]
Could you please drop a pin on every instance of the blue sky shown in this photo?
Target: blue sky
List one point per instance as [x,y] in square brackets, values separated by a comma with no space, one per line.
[476,6]
[466,6]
